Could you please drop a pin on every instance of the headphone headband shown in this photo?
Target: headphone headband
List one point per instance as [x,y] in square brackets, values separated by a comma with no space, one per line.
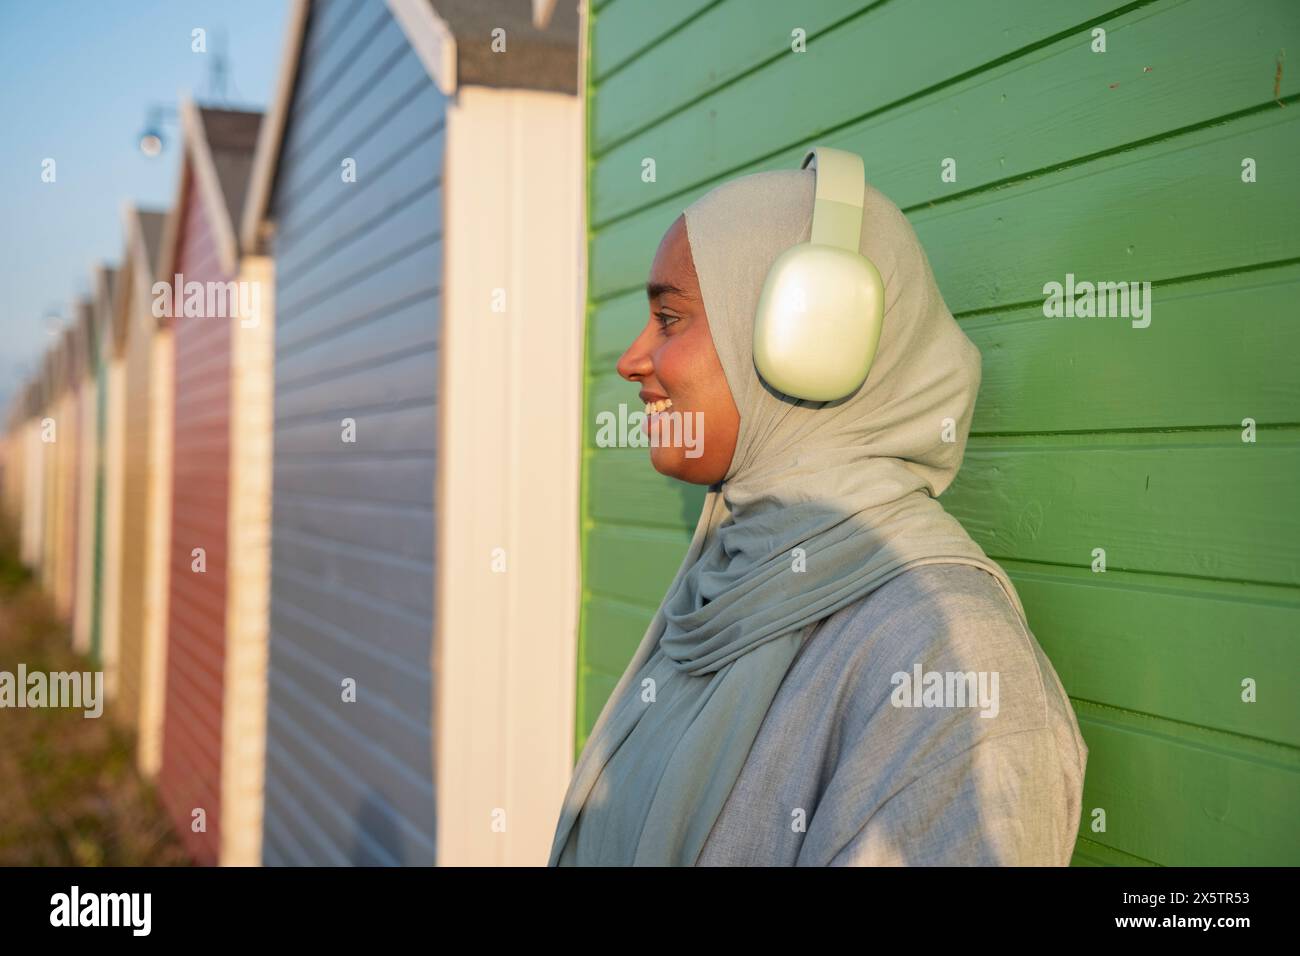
[822,307]
[841,189]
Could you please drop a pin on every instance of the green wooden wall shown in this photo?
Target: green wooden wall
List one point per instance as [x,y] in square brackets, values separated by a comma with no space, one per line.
[1089,433]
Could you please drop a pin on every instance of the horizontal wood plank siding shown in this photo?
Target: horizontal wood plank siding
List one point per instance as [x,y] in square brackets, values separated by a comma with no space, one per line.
[357,336]
[1088,432]
[196,633]
[137,420]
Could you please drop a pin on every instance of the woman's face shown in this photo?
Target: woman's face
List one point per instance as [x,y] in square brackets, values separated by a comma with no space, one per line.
[673,359]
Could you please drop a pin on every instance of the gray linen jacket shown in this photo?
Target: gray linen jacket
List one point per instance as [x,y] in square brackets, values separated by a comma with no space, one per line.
[842,774]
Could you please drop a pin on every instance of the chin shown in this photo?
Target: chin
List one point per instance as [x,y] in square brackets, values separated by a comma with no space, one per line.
[674,463]
[665,462]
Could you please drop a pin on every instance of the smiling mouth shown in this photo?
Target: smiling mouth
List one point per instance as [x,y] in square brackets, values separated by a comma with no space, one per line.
[659,406]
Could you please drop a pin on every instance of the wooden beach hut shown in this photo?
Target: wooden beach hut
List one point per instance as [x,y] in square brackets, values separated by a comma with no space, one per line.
[19,477]
[33,512]
[211,761]
[84,374]
[51,387]
[14,468]
[141,478]
[67,409]
[101,355]
[418,184]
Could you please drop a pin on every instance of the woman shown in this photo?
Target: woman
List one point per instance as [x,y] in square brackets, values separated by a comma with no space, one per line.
[838,674]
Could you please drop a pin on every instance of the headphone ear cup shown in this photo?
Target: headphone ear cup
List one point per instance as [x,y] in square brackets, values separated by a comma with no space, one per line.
[818,322]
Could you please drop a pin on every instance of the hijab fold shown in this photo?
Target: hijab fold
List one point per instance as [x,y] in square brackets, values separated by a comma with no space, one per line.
[823,503]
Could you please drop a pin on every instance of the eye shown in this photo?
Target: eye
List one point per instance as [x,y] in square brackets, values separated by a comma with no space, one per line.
[666,320]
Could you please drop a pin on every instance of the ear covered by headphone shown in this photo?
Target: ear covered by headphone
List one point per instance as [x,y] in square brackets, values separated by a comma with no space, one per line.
[823,302]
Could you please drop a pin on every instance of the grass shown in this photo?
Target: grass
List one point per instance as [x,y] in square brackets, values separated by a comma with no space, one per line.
[70,794]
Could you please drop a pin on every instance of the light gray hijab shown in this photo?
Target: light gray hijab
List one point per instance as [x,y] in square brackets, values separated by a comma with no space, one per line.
[851,483]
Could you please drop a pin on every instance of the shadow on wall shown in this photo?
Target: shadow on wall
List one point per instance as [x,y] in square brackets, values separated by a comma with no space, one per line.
[692,499]
[373,819]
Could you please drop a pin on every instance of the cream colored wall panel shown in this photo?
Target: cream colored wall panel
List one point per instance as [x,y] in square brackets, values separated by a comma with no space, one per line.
[509,475]
[157,545]
[65,567]
[86,464]
[248,576]
[33,494]
[114,484]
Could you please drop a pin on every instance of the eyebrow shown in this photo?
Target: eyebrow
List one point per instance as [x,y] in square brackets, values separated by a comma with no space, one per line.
[655,289]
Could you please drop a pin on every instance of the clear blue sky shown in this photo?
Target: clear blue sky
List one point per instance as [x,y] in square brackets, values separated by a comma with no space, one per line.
[77,78]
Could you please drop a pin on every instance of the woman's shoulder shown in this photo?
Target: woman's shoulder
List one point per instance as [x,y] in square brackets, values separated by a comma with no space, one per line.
[937,658]
[893,702]
[946,613]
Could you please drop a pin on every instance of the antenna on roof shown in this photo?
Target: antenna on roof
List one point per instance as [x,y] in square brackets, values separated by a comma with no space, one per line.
[218,68]
[151,139]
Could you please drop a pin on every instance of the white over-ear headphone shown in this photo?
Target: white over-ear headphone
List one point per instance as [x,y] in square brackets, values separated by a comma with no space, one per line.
[823,302]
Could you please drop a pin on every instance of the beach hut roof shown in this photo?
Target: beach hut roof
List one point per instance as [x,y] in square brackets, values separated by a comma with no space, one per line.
[78,339]
[49,375]
[453,39]
[542,47]
[101,315]
[144,229]
[29,400]
[65,353]
[217,160]
[70,345]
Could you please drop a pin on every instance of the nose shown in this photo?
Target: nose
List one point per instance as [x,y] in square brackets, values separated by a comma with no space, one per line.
[635,363]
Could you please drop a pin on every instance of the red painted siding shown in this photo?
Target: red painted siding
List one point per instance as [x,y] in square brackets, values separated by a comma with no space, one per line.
[190,776]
